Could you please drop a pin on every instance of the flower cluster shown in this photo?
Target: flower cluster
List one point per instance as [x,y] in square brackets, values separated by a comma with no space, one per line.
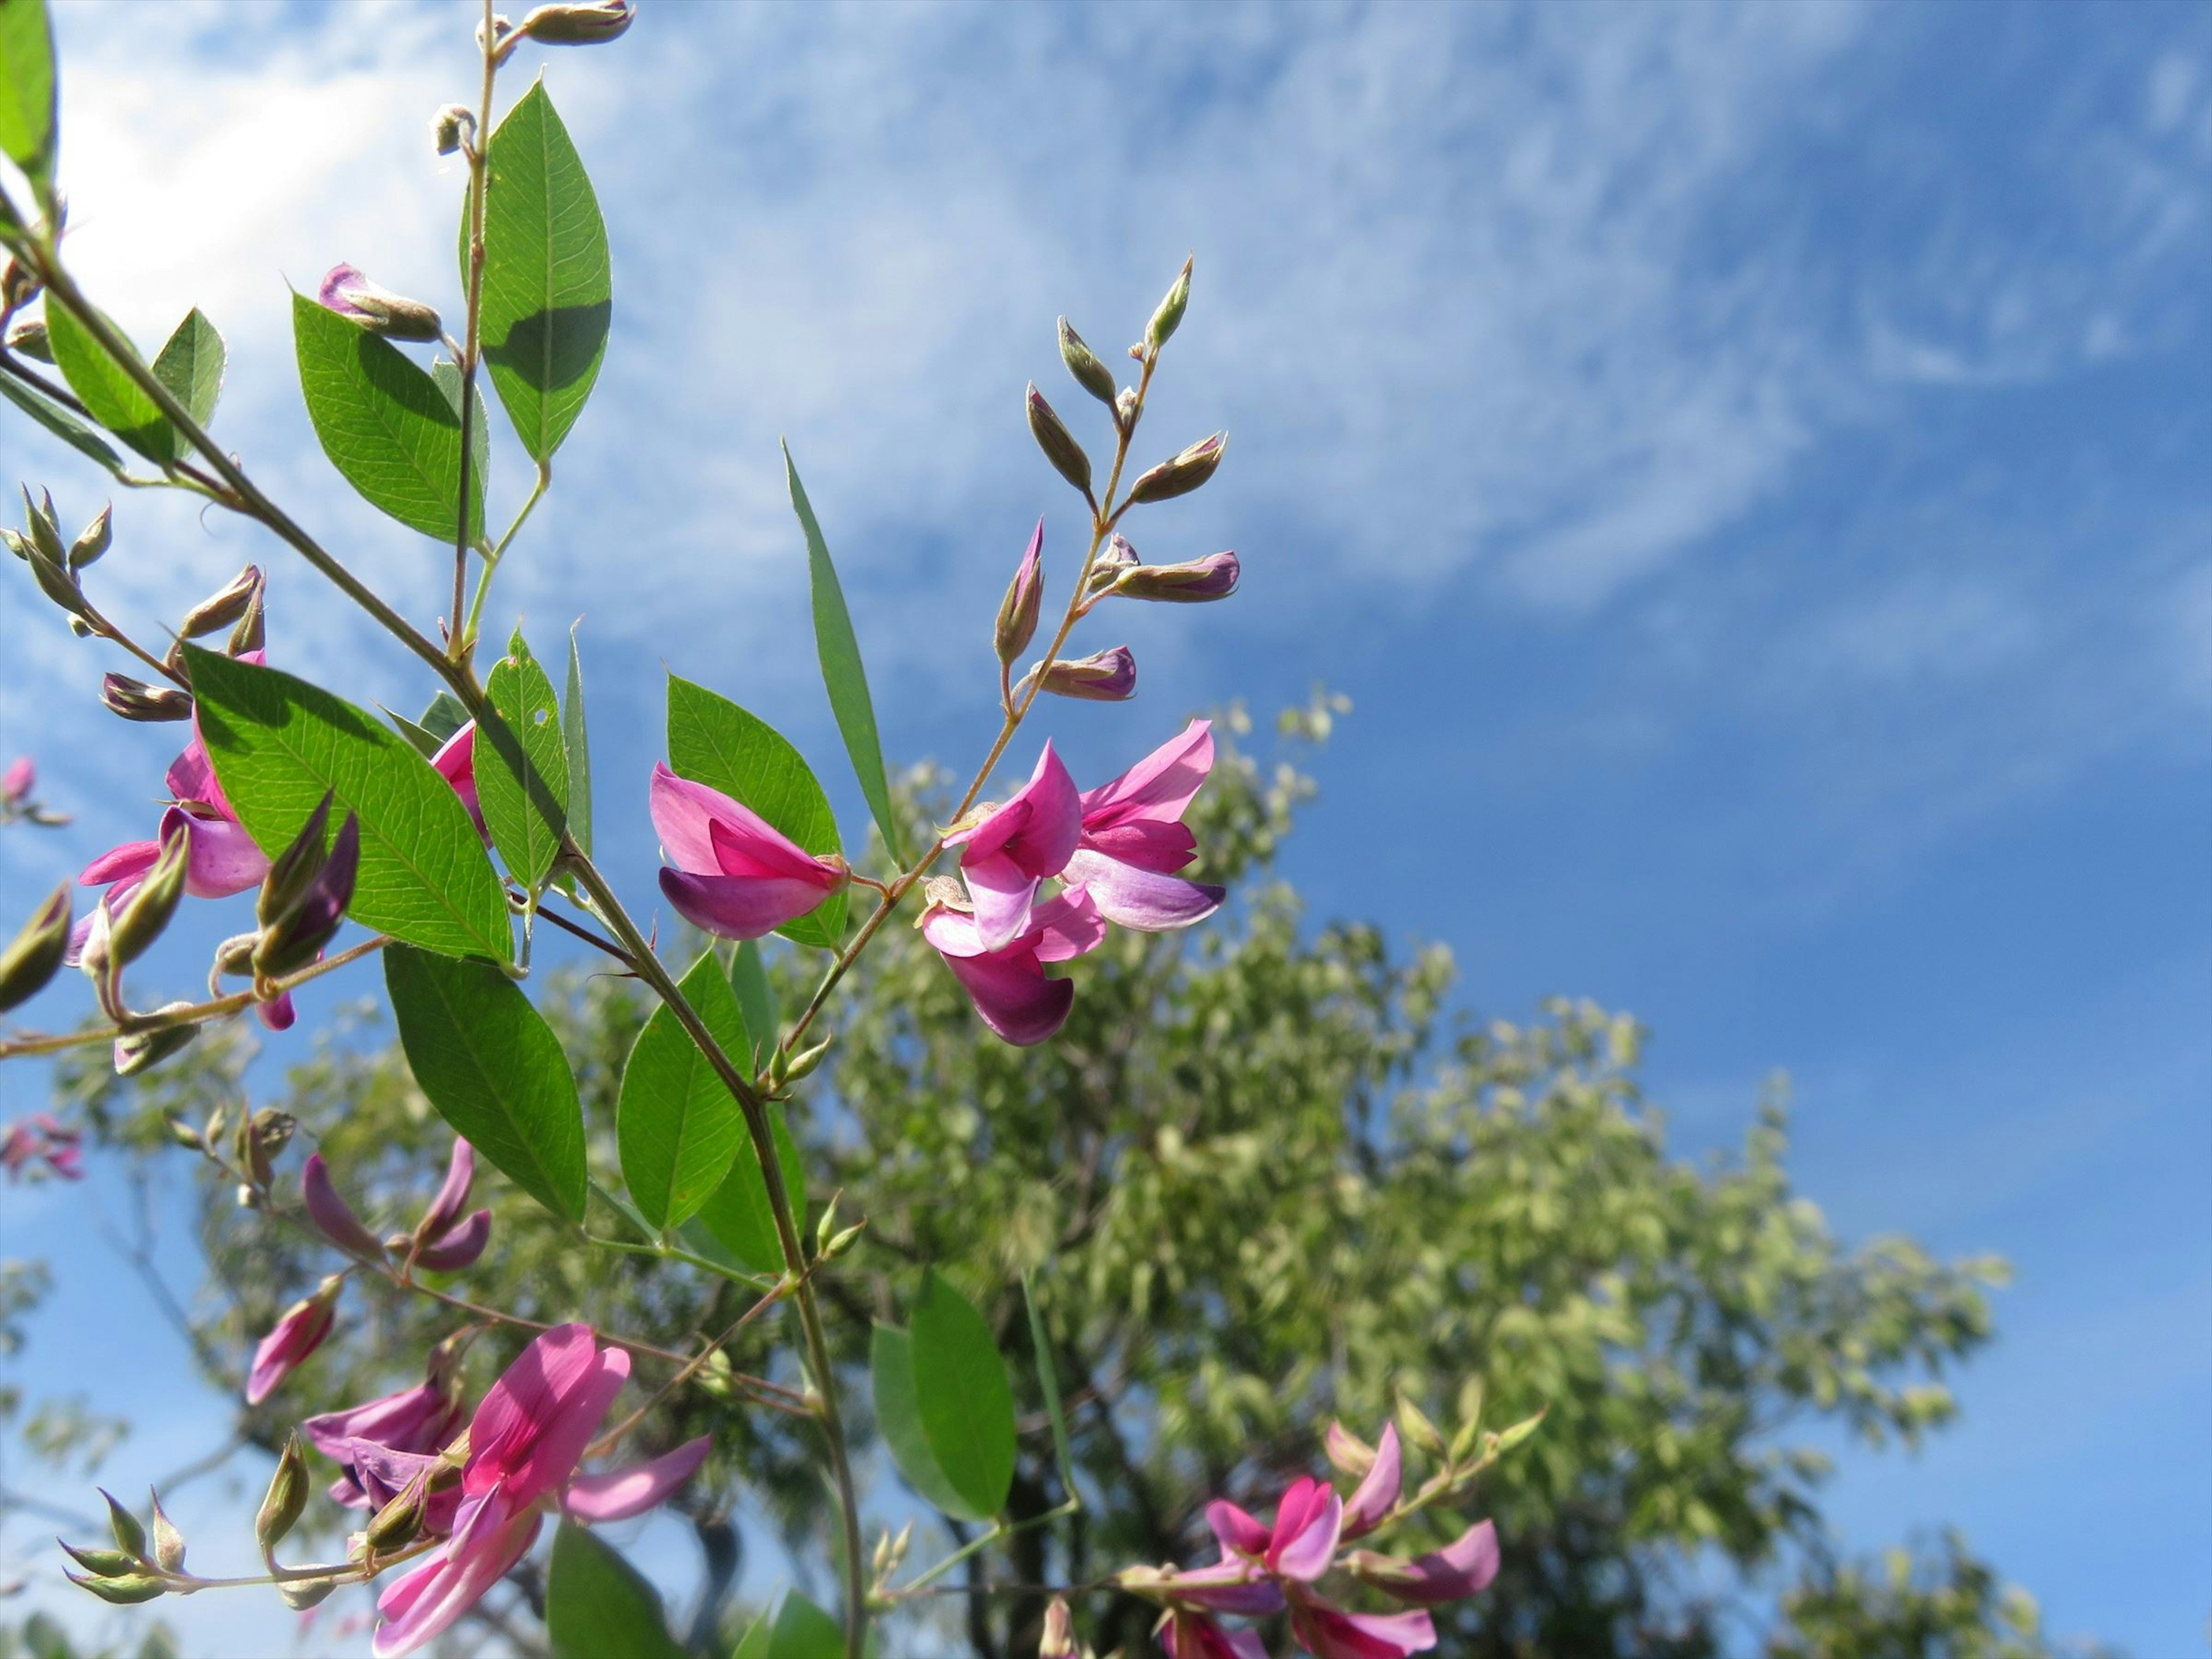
[1268,1567]
[40,1138]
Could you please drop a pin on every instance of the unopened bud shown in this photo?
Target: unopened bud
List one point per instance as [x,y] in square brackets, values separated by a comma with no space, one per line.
[1506,1439]
[296,938]
[285,1499]
[452,127]
[353,296]
[130,1533]
[301,1593]
[1124,408]
[1058,1640]
[147,913]
[1093,376]
[1017,611]
[28,338]
[142,1051]
[267,1134]
[840,1242]
[135,699]
[1414,1424]
[105,1562]
[822,1228]
[1106,676]
[1194,581]
[34,956]
[168,1542]
[45,533]
[395,1525]
[587,25]
[1348,1452]
[803,1063]
[251,632]
[293,871]
[184,1134]
[1170,310]
[124,1590]
[1183,473]
[94,539]
[58,585]
[1058,444]
[220,609]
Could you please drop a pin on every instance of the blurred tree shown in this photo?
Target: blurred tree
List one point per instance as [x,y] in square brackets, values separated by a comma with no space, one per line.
[1260,1180]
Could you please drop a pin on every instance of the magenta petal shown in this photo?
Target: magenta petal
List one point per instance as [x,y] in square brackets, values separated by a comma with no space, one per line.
[331,1214]
[458,1246]
[454,1191]
[1166,848]
[1306,1553]
[1377,1494]
[528,1394]
[191,777]
[951,932]
[131,859]
[1002,891]
[222,859]
[296,1336]
[1158,788]
[1329,1633]
[428,1599]
[456,762]
[1064,927]
[624,1492]
[1013,995]
[739,907]
[1233,1586]
[1239,1533]
[1191,1636]
[1141,899]
[417,1419]
[686,816]
[1039,827]
[278,1014]
[1462,1568]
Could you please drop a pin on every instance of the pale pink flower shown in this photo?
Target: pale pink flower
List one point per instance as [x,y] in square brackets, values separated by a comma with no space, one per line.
[1378,1492]
[1462,1568]
[1008,986]
[1133,838]
[41,1138]
[416,1421]
[736,875]
[1329,1632]
[18,781]
[296,1335]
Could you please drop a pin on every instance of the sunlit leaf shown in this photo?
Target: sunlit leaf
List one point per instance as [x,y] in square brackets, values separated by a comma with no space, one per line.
[190,364]
[960,1387]
[676,1126]
[27,87]
[577,741]
[525,796]
[599,1606]
[105,389]
[898,1417]
[61,422]
[737,1212]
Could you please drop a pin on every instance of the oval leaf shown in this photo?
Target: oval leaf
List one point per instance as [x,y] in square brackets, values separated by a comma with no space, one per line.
[577,742]
[737,1212]
[803,1630]
[27,87]
[712,741]
[278,742]
[524,795]
[62,423]
[108,393]
[492,1067]
[677,1126]
[960,1388]
[191,363]
[755,995]
[548,289]
[842,672]
[898,1415]
[385,424]
[599,1606]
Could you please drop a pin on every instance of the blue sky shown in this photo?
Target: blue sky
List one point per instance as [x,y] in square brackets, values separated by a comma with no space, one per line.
[1747,465]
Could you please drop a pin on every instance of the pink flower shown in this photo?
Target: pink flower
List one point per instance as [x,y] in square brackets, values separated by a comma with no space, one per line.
[1192,1636]
[222,859]
[297,1335]
[41,1138]
[456,762]
[18,781]
[1329,1632]
[415,1421]
[1134,839]
[736,876]
[353,296]
[444,1243]
[1016,847]
[525,1443]
[1378,1494]
[1462,1568]
[1008,985]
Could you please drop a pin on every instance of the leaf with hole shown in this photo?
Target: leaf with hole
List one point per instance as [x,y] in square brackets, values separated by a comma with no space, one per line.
[486,1058]
[522,773]
[712,741]
[278,744]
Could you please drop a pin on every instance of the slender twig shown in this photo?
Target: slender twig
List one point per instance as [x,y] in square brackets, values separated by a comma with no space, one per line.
[982,1540]
[459,639]
[499,549]
[613,1438]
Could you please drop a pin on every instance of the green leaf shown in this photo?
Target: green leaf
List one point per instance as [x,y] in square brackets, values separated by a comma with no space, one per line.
[523,795]
[898,1416]
[1048,1384]
[386,424]
[492,1067]
[753,1644]
[62,423]
[447,378]
[841,672]
[278,742]
[755,995]
[27,87]
[444,715]
[712,741]
[548,290]
[108,393]
[960,1386]
[737,1212]
[578,744]
[191,363]
[426,742]
[676,1125]
[803,1630]
[599,1606]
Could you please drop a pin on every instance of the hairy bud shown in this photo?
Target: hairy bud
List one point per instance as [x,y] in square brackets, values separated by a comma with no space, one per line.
[1183,473]
[1106,676]
[147,913]
[106,1563]
[353,296]
[1171,308]
[168,1542]
[1058,444]
[586,25]
[453,127]
[265,1135]
[124,1590]
[222,609]
[142,1051]
[1058,1640]
[332,1216]
[1093,376]
[135,699]
[28,338]
[840,1242]
[285,1499]
[94,539]
[130,1534]
[297,936]
[395,1526]
[1191,582]
[293,870]
[1017,611]
[1413,1423]
[301,1593]
[34,956]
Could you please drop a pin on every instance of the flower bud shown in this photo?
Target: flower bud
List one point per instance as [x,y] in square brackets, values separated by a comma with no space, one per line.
[124,1590]
[46,533]
[34,956]
[452,1194]
[142,1051]
[296,937]
[58,585]
[459,1246]
[396,1525]
[1093,376]
[354,297]
[108,1563]
[1058,444]
[94,539]
[1017,611]
[1124,408]
[28,338]
[1193,582]
[292,1339]
[1171,308]
[222,609]
[829,1221]
[332,1216]
[1348,1452]
[585,25]
[251,632]
[147,913]
[293,871]
[168,1542]
[842,1242]
[1183,474]
[135,699]
[130,1535]
[301,1593]
[1058,1640]
[803,1063]
[1507,1439]
[453,127]
[265,1135]
[1107,677]
[1413,1423]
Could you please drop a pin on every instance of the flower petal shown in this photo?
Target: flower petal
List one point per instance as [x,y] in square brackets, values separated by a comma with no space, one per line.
[1192,1636]
[1039,827]
[737,907]
[1002,891]
[428,1599]
[1064,927]
[1304,1551]
[545,1376]
[458,1246]
[1329,1632]
[621,1493]
[222,859]
[685,815]
[1158,788]
[1240,1533]
[125,863]
[331,1214]
[1142,899]
[456,762]
[1013,995]
[1378,1494]
[454,1191]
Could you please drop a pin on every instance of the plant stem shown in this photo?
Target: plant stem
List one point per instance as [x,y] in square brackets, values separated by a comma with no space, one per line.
[499,550]
[997,1530]
[458,638]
